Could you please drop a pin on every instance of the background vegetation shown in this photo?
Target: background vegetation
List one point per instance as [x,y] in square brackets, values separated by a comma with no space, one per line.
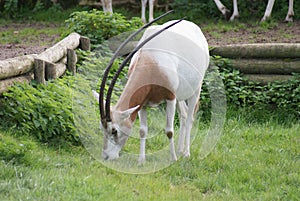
[248,9]
[198,9]
[257,157]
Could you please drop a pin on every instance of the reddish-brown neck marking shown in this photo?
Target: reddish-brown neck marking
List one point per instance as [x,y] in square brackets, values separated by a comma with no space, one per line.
[146,85]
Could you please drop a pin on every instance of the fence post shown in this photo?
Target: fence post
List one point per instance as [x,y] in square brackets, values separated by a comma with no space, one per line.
[85,43]
[39,71]
[71,61]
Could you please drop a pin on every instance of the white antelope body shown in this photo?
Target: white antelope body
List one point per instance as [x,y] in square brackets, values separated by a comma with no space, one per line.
[169,68]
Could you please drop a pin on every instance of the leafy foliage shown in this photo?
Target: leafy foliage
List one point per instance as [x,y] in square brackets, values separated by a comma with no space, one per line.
[100,26]
[93,64]
[242,92]
[43,111]
[10,8]
[20,9]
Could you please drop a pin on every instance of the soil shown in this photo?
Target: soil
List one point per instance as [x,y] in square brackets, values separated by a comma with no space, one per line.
[31,45]
[281,33]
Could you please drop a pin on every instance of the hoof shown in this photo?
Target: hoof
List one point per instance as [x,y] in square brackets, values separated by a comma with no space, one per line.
[141,160]
[187,154]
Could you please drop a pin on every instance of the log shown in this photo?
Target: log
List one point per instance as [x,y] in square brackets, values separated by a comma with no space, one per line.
[265,79]
[59,50]
[63,60]
[54,70]
[71,61]
[85,43]
[16,66]
[265,50]
[39,71]
[5,84]
[266,66]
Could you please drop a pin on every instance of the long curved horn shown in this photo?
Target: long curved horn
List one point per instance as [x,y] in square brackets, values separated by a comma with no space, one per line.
[113,82]
[106,72]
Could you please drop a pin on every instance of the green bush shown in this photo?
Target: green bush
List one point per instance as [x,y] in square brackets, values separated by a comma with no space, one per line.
[240,91]
[100,26]
[10,8]
[43,111]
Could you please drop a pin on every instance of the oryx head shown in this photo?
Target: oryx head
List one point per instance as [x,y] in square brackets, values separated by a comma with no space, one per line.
[116,131]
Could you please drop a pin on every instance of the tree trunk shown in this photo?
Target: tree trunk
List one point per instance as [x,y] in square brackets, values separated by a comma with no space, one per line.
[5,84]
[256,66]
[265,79]
[266,50]
[16,66]
[59,50]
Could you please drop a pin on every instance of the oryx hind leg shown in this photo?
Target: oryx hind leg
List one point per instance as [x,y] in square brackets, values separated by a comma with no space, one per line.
[192,104]
[182,112]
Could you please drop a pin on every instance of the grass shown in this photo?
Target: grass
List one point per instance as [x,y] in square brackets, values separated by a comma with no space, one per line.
[32,27]
[25,35]
[252,161]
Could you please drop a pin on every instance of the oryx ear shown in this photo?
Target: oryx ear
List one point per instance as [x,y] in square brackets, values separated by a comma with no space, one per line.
[126,114]
[95,94]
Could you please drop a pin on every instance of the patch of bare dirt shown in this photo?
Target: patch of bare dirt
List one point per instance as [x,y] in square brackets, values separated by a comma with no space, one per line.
[25,46]
[15,50]
[281,33]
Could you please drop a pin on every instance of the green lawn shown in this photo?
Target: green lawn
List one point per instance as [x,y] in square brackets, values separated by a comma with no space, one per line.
[254,160]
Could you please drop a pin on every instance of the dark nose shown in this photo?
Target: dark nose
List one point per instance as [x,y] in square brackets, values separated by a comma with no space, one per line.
[105,157]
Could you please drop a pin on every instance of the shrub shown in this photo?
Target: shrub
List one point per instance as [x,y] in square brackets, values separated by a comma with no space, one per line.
[242,92]
[44,111]
[100,26]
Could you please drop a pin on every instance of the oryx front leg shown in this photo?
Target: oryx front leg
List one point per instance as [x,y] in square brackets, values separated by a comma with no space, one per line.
[143,135]
[170,110]
[182,111]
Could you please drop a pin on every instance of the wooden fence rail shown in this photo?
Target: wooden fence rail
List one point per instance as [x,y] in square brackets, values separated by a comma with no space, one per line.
[263,63]
[50,64]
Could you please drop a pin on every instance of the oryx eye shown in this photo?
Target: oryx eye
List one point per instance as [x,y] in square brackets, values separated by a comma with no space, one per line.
[114,132]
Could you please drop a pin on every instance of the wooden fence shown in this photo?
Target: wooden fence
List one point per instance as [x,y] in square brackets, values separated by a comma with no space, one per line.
[263,62]
[50,64]
[259,62]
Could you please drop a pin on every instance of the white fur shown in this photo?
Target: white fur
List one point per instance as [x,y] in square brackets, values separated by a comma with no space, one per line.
[143,134]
